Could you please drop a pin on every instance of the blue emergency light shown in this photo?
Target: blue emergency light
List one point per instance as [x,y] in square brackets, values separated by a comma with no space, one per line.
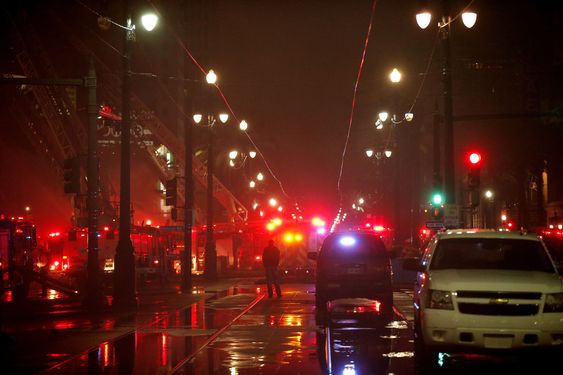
[347,241]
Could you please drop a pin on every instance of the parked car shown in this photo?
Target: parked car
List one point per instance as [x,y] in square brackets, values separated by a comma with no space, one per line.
[485,291]
[353,264]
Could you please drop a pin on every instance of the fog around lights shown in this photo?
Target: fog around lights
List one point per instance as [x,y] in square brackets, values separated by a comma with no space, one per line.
[347,241]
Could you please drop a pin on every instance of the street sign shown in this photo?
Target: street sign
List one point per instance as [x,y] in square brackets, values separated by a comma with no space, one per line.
[434,224]
[451,216]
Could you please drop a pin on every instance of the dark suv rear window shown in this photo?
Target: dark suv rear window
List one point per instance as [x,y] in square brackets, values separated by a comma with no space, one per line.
[491,253]
[353,245]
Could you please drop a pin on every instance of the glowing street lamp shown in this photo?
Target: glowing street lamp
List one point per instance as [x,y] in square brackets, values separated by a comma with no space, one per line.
[210,271]
[243,125]
[124,296]
[395,76]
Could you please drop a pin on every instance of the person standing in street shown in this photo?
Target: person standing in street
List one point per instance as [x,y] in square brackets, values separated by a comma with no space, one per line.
[271,259]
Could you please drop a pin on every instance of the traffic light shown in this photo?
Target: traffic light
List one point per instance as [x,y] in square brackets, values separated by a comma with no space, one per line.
[474,173]
[171,191]
[71,173]
[437,199]
[437,213]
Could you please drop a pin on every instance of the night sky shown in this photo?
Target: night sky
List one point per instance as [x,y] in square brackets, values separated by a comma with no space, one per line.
[289,69]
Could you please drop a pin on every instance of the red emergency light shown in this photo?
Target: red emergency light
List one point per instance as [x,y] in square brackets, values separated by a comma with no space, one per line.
[474,158]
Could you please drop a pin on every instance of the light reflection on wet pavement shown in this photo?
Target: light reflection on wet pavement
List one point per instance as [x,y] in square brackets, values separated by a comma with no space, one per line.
[268,336]
[285,336]
[164,342]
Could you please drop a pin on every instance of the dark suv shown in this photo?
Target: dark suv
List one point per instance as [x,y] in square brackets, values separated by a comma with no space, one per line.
[353,265]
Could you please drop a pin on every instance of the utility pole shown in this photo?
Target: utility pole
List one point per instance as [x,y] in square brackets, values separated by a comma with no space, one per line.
[124,275]
[188,175]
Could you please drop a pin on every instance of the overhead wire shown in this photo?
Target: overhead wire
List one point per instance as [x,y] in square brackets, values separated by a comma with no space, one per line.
[203,72]
[225,101]
[351,117]
[411,108]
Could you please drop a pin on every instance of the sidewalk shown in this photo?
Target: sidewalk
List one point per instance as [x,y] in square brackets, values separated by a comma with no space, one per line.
[40,333]
[150,296]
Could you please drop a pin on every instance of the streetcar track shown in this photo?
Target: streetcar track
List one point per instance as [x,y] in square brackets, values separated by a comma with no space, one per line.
[215,335]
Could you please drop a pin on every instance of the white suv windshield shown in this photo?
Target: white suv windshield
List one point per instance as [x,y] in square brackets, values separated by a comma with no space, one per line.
[491,253]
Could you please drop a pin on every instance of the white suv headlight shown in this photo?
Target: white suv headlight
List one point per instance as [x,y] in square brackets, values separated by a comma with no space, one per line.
[553,303]
[440,299]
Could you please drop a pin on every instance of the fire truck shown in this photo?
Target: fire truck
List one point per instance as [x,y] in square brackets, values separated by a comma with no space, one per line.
[294,238]
[67,251]
[18,250]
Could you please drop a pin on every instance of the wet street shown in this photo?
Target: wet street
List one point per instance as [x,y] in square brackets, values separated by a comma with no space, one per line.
[232,328]
[233,331]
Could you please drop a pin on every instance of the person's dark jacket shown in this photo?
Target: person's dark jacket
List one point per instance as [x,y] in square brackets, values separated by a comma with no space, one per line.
[271,256]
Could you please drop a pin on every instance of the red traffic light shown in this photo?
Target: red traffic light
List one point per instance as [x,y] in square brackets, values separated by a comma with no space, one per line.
[474,158]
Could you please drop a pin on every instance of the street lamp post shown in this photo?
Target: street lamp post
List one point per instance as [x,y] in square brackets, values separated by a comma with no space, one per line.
[189,207]
[423,19]
[210,271]
[124,275]
[395,119]
[210,249]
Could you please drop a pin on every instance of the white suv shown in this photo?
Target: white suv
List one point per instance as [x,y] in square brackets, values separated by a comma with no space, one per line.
[484,290]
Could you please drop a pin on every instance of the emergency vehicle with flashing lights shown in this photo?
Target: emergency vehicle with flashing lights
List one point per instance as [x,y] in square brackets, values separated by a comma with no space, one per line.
[295,239]
[19,250]
[66,252]
[18,242]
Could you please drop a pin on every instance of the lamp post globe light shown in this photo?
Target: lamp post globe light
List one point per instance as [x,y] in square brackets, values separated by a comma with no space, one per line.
[395,77]
[395,119]
[124,275]
[423,19]
[210,270]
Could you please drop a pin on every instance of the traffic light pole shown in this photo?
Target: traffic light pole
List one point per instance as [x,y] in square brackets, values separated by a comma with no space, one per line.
[449,166]
[436,176]
[189,207]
